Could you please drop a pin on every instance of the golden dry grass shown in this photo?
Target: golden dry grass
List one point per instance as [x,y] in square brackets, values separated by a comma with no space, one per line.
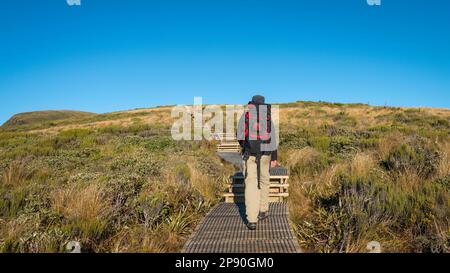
[444,166]
[143,240]
[303,160]
[81,202]
[15,174]
[203,183]
[299,204]
[362,165]
[390,141]
[365,116]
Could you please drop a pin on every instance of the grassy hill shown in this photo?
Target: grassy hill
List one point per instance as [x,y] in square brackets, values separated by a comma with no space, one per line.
[26,120]
[117,182]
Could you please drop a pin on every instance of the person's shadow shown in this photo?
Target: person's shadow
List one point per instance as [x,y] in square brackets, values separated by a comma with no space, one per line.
[241,206]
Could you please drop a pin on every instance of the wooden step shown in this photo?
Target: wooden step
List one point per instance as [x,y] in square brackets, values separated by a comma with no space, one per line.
[278,186]
[229,147]
[240,197]
[236,147]
[284,194]
[229,143]
[273,188]
[273,180]
[233,150]
[272,174]
[274,185]
[224,136]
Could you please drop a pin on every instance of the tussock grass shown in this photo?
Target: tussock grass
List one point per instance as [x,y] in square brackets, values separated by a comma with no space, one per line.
[80,202]
[15,174]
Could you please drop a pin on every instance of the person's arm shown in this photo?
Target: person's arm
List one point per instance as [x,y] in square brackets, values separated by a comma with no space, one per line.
[274,154]
[241,130]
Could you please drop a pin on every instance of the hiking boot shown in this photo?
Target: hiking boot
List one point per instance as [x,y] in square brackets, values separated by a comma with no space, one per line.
[251,226]
[263,215]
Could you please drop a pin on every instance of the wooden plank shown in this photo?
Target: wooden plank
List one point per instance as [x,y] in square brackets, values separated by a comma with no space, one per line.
[240,199]
[224,136]
[272,180]
[282,179]
[271,190]
[231,197]
[272,185]
[285,194]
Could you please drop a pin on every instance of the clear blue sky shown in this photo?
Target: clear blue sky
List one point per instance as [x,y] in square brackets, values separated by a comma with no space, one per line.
[119,54]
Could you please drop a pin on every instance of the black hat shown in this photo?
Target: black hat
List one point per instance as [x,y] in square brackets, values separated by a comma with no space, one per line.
[257,99]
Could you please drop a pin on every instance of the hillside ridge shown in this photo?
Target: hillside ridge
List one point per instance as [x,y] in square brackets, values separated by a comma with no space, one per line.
[35,117]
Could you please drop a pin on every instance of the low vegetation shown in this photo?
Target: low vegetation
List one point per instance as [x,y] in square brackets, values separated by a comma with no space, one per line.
[112,188]
[117,182]
[362,174]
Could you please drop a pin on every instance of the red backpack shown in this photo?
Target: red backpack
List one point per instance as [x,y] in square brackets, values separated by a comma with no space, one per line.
[258,127]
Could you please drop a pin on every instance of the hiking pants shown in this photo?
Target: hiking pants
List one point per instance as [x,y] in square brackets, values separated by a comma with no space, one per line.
[257,199]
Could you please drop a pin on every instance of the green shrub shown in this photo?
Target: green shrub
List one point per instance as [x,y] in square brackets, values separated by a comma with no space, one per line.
[440,123]
[372,142]
[183,173]
[70,138]
[151,210]
[12,202]
[343,146]
[134,129]
[89,233]
[360,209]
[321,143]
[292,140]
[140,164]
[343,119]
[179,222]
[405,157]
[333,130]
[420,119]
[157,143]
[31,238]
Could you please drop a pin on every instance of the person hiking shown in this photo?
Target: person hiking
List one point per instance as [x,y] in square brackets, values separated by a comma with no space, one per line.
[256,135]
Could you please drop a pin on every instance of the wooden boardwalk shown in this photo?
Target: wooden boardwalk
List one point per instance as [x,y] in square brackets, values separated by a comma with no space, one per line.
[223,230]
